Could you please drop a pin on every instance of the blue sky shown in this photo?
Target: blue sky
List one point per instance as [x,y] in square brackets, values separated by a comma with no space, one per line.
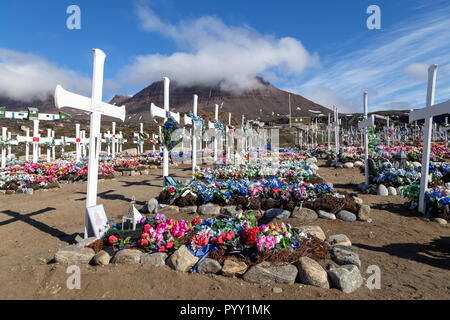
[320,49]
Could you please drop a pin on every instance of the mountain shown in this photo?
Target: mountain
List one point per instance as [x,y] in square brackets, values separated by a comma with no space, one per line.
[253,104]
[256,104]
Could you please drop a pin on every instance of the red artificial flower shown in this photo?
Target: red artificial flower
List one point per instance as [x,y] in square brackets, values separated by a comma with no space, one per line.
[147,228]
[218,240]
[143,242]
[162,249]
[171,191]
[144,236]
[195,221]
[169,245]
[113,239]
[276,190]
[229,235]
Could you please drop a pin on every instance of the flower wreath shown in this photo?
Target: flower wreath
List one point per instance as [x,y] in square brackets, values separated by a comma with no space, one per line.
[5,143]
[219,126]
[49,145]
[197,119]
[170,126]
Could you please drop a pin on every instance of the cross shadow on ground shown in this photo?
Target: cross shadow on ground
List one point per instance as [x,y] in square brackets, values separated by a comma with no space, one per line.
[108,196]
[37,224]
[136,183]
[436,253]
[396,208]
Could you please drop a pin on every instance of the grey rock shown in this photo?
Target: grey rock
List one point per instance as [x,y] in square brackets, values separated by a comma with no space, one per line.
[392,191]
[399,190]
[339,239]
[102,258]
[311,273]
[277,213]
[372,168]
[146,172]
[74,255]
[152,205]
[382,190]
[346,278]
[313,230]
[188,210]
[417,164]
[209,266]
[363,212]
[132,173]
[358,200]
[231,211]
[267,273]
[339,165]
[209,210]
[182,259]
[233,267]
[169,210]
[277,290]
[85,242]
[157,259]
[304,214]
[326,215]
[345,215]
[127,256]
[126,173]
[343,255]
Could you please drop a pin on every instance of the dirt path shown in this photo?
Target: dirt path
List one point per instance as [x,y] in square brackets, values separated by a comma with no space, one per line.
[413,254]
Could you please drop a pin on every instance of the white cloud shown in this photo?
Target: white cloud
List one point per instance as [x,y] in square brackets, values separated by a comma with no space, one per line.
[380,66]
[25,77]
[215,52]
[417,71]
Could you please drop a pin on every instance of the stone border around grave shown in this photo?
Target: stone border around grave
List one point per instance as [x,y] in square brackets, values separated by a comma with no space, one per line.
[342,271]
[301,214]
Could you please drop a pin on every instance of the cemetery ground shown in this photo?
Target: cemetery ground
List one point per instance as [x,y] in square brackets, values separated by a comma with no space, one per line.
[412,253]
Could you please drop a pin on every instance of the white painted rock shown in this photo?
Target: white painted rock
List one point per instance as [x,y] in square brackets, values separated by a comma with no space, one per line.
[358,164]
[382,190]
[392,191]
[348,165]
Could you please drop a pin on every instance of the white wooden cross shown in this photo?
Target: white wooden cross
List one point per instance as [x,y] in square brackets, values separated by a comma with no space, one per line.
[63,143]
[427,114]
[96,108]
[364,126]
[195,131]
[84,142]
[77,141]
[121,141]
[163,113]
[336,129]
[140,141]
[4,139]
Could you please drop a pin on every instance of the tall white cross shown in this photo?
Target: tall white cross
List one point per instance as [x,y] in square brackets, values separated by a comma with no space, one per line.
[195,131]
[6,144]
[140,141]
[163,113]
[427,114]
[364,126]
[96,108]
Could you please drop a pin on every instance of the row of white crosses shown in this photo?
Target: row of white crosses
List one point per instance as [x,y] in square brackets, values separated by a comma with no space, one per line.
[96,108]
[431,110]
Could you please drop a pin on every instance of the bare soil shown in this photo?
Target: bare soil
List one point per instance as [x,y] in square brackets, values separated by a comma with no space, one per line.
[412,253]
